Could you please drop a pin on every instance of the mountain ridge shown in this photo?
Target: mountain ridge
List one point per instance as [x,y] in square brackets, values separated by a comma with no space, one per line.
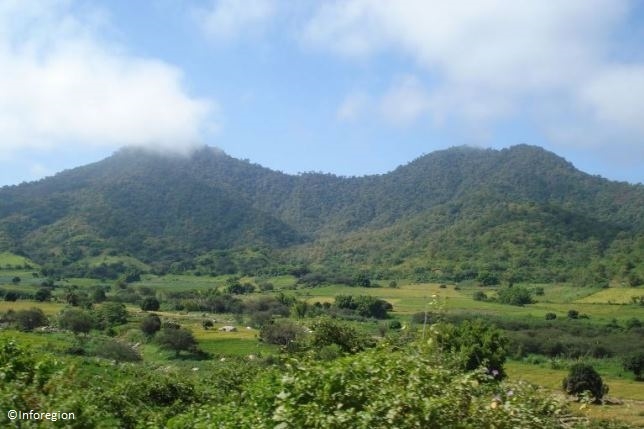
[174,209]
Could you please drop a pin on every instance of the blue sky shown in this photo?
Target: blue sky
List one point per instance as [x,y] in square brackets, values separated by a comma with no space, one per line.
[350,87]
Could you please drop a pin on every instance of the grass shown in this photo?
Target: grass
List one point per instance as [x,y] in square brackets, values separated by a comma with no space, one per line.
[631,392]
[8,259]
[614,295]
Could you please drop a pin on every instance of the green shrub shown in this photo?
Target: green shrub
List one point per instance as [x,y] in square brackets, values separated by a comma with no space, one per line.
[551,316]
[583,378]
[516,295]
[114,350]
[474,344]
[150,324]
[635,364]
[28,320]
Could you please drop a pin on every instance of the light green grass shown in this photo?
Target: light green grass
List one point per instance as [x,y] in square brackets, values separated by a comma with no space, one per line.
[49,308]
[614,295]
[631,392]
[13,260]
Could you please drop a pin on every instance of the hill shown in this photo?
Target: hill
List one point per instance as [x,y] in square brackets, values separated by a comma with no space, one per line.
[513,214]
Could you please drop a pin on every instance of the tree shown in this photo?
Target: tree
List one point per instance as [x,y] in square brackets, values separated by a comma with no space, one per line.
[583,378]
[27,320]
[150,303]
[635,364]
[327,332]
[150,324]
[282,332]
[573,314]
[474,344]
[11,296]
[515,295]
[15,280]
[176,339]
[76,320]
[43,294]
[112,314]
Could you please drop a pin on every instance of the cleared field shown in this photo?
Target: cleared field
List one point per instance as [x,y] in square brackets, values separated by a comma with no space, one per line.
[616,295]
[49,308]
[8,259]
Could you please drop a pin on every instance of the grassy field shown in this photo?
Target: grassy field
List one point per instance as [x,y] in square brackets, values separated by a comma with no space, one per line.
[629,392]
[600,305]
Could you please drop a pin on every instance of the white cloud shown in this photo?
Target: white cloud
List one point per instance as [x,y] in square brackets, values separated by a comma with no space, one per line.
[353,107]
[61,85]
[616,96]
[228,19]
[490,60]
[404,102]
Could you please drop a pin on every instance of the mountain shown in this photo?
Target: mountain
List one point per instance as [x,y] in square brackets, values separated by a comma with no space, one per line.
[515,214]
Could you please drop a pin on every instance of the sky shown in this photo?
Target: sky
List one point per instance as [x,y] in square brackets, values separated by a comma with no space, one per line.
[348,87]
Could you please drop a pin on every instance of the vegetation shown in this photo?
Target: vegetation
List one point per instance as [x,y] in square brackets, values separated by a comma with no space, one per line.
[177,292]
[583,379]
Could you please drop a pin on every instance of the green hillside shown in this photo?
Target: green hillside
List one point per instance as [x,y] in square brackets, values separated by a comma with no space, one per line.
[516,214]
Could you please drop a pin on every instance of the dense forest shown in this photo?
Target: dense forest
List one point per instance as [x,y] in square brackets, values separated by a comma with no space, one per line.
[517,214]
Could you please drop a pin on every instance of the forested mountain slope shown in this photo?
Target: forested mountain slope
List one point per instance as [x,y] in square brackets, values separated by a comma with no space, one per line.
[518,213]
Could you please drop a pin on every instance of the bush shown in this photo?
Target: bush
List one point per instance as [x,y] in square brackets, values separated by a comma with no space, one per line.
[633,322]
[114,350]
[474,344]
[150,324]
[516,295]
[43,294]
[327,331]
[150,303]
[76,320]
[583,378]
[177,340]
[28,320]
[479,296]
[111,314]
[635,364]
[551,316]
[281,332]
[573,314]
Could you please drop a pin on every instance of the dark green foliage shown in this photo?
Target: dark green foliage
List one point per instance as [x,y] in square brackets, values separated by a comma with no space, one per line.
[633,323]
[583,378]
[635,364]
[11,296]
[178,340]
[115,350]
[364,305]
[327,331]
[516,295]
[551,316]
[111,314]
[15,280]
[573,314]
[479,295]
[150,324]
[474,344]
[519,214]
[43,294]
[76,320]
[28,320]
[150,303]
[282,332]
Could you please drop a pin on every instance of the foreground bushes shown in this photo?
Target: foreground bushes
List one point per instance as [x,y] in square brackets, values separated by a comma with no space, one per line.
[379,388]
